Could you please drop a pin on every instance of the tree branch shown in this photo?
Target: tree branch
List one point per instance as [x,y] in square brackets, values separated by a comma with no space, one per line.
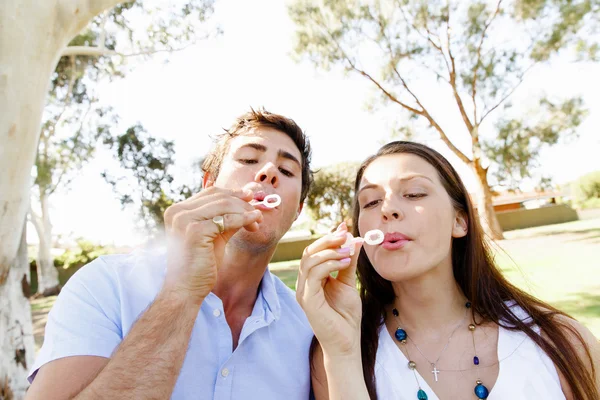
[102,40]
[478,60]
[447,141]
[459,102]
[438,47]
[393,54]
[510,92]
[36,220]
[68,97]
[75,140]
[387,93]
[423,112]
[69,94]
[90,51]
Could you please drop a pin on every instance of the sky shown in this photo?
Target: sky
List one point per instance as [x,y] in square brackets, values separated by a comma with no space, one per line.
[201,90]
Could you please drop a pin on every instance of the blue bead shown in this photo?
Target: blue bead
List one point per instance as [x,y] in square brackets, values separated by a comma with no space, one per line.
[468,305]
[476,360]
[481,392]
[400,334]
[421,395]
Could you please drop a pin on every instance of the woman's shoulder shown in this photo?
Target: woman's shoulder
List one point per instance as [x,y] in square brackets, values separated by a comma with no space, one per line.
[586,345]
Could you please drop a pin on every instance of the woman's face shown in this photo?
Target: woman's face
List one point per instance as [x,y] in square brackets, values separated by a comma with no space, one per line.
[402,195]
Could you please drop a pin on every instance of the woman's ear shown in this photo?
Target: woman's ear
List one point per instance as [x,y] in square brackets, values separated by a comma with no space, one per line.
[461,223]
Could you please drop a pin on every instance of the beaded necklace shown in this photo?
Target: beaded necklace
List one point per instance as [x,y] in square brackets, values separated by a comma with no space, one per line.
[480,390]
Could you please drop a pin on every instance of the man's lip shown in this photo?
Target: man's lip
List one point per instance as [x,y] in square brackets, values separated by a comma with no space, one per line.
[260,195]
[262,207]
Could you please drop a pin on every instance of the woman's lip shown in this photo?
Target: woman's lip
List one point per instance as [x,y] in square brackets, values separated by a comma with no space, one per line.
[395,245]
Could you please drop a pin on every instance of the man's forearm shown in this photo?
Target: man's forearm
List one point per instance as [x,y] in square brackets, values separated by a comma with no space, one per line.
[148,361]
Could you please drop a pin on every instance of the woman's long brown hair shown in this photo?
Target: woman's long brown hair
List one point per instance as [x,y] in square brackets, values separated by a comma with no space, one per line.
[480,280]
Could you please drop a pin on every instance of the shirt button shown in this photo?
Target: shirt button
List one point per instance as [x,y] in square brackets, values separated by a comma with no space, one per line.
[216,312]
[224,372]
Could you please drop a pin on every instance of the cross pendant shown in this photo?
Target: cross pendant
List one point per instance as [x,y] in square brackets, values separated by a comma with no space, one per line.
[435,372]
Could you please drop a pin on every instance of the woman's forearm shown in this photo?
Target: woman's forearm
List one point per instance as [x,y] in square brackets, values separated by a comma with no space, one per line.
[345,379]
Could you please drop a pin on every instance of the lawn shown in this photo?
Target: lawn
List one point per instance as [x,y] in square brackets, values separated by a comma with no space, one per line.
[557,263]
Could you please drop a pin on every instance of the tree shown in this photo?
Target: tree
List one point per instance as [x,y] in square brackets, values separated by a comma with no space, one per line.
[72,102]
[148,160]
[330,198]
[463,47]
[72,124]
[33,38]
[585,191]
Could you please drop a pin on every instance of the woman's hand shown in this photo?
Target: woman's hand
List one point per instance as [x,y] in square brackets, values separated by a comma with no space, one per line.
[332,305]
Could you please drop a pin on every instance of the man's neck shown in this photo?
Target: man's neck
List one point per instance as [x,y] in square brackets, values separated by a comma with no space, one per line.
[239,277]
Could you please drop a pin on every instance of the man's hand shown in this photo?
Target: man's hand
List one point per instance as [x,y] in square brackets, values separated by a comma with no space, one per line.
[196,247]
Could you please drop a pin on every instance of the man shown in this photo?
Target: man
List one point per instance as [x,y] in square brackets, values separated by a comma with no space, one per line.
[205,320]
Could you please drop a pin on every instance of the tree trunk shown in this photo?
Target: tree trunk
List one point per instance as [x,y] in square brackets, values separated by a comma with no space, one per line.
[485,208]
[47,274]
[32,36]
[16,331]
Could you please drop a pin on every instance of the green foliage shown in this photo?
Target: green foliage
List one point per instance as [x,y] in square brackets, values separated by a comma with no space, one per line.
[70,261]
[148,162]
[157,26]
[73,119]
[330,198]
[85,253]
[464,47]
[515,150]
[586,190]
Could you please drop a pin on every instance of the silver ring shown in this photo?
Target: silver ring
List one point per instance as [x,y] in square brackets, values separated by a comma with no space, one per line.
[220,222]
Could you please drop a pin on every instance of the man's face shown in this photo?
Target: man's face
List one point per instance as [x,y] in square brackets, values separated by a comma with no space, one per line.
[265,161]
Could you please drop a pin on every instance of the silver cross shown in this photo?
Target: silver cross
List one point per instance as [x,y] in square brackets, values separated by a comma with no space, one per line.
[435,372]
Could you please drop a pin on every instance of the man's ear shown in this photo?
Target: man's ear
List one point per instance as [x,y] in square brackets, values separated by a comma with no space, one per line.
[207,181]
[461,223]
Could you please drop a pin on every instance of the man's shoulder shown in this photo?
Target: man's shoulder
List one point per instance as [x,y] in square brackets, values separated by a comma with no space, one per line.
[121,271]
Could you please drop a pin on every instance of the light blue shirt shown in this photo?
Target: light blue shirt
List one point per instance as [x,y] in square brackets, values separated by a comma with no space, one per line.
[101,302]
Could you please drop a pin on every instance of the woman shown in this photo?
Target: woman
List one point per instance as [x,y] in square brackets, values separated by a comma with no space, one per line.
[435,318]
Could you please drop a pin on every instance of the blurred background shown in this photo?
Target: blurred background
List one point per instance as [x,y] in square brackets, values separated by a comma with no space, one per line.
[507,91]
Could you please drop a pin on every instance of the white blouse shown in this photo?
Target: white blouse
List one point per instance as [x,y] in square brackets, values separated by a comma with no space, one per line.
[526,372]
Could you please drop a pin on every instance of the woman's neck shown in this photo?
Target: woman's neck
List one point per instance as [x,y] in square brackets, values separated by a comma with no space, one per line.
[430,303]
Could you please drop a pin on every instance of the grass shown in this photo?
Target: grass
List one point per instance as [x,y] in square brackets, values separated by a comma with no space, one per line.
[558,264]
[42,304]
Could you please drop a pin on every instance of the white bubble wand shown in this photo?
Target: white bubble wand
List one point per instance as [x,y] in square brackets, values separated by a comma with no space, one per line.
[270,201]
[372,237]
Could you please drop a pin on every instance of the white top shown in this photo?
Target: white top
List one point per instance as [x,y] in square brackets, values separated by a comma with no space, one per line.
[101,302]
[526,372]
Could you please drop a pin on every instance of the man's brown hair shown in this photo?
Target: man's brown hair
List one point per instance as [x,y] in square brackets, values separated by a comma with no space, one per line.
[261,119]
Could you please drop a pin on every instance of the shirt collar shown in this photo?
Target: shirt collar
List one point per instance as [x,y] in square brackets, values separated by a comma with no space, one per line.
[268,291]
